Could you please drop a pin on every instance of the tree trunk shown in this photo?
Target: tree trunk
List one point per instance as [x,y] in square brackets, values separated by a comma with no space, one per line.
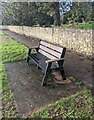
[56,16]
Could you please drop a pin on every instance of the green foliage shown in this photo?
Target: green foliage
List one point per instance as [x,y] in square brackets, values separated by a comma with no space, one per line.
[28,13]
[45,13]
[80,12]
[78,106]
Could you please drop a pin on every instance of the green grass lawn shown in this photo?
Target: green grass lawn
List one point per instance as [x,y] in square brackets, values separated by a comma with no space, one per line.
[79,105]
[76,106]
[85,26]
[10,51]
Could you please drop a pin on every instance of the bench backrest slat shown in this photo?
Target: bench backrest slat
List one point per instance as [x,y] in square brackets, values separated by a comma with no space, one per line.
[49,50]
[52,52]
[51,46]
[47,54]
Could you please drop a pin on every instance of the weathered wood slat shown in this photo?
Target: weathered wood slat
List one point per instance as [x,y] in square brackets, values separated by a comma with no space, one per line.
[53,47]
[47,54]
[50,51]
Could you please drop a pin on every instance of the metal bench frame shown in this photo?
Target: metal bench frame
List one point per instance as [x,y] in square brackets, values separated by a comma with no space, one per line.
[48,63]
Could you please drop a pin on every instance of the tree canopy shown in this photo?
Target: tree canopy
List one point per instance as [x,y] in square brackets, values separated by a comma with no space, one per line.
[80,12]
[46,13]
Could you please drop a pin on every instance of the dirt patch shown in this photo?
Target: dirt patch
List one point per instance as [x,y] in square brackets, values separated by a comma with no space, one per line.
[29,96]
[79,67]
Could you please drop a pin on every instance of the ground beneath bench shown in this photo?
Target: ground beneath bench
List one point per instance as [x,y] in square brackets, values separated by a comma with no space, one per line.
[29,96]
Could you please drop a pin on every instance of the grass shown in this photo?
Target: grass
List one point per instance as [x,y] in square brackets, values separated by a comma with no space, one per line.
[86,26]
[11,51]
[77,106]
[8,106]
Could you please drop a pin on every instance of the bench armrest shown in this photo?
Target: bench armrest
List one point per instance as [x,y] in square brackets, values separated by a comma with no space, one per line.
[35,47]
[55,60]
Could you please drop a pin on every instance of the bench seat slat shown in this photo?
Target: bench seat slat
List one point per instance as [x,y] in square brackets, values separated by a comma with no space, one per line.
[33,56]
[53,47]
[43,65]
[50,51]
[38,56]
[40,60]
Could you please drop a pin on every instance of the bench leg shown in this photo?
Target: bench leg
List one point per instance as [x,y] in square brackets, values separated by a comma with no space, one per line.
[62,70]
[38,67]
[44,81]
[27,60]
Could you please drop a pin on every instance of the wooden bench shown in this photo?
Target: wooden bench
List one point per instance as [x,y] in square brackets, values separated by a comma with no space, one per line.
[48,57]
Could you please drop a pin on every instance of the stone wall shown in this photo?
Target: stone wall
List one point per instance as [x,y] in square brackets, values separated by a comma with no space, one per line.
[75,39]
